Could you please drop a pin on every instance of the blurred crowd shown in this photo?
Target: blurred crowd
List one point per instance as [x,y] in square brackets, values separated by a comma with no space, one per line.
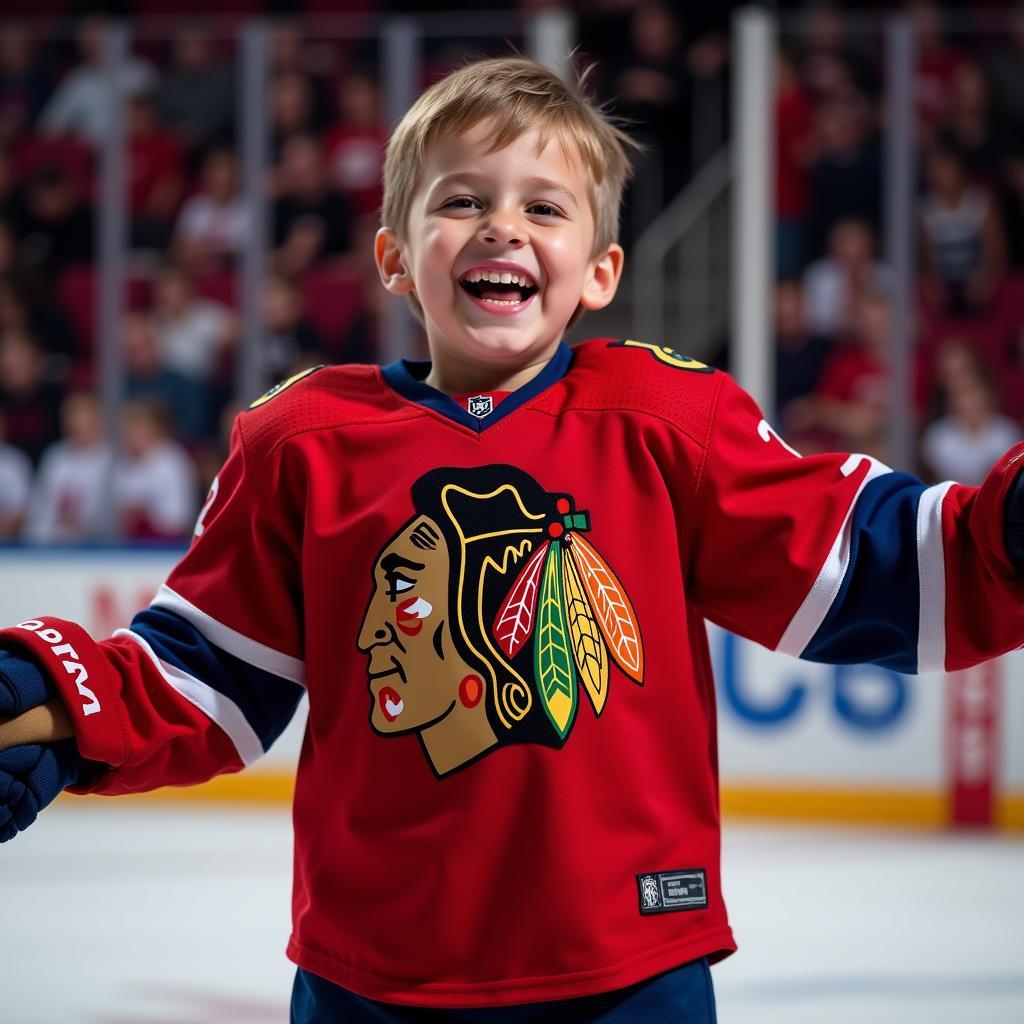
[832,308]
[67,476]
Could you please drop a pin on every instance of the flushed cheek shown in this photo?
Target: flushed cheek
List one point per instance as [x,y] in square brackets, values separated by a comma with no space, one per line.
[409,615]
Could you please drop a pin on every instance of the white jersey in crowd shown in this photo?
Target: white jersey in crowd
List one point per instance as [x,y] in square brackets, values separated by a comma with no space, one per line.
[158,487]
[204,220]
[67,499]
[15,481]
[190,344]
[954,453]
[827,295]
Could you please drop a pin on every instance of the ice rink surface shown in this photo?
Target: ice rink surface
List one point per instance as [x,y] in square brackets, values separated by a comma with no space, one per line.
[132,914]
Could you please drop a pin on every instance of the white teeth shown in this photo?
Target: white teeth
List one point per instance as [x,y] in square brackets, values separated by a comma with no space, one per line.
[498,277]
[394,709]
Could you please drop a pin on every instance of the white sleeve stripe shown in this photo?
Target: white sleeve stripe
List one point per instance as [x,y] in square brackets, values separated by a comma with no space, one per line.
[811,614]
[931,579]
[218,708]
[252,652]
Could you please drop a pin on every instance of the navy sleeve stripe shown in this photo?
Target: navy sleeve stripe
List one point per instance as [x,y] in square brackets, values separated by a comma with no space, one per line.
[883,603]
[820,599]
[253,706]
[227,639]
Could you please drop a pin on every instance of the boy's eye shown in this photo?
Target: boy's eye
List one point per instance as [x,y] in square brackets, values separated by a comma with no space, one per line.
[545,210]
[461,203]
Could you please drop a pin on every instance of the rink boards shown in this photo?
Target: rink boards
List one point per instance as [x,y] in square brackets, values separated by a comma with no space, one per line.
[797,740]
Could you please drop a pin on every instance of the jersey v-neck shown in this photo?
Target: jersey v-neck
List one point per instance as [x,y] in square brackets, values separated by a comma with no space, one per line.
[407,377]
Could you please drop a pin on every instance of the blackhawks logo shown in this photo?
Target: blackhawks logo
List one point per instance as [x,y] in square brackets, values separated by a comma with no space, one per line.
[491,614]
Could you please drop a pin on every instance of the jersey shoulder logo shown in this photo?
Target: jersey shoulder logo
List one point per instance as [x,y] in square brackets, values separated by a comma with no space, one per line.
[284,385]
[665,354]
[492,618]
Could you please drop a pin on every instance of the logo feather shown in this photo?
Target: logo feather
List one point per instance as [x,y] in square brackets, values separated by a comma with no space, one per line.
[588,647]
[515,619]
[613,609]
[556,679]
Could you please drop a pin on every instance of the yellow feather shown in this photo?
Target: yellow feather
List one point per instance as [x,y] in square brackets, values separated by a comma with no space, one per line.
[588,646]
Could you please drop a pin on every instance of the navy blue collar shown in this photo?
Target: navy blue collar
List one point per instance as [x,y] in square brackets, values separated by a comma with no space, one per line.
[406,376]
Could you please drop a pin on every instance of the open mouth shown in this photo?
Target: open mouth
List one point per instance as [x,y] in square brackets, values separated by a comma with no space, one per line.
[502,290]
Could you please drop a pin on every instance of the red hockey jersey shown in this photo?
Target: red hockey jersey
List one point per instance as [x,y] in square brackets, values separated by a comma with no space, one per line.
[508,786]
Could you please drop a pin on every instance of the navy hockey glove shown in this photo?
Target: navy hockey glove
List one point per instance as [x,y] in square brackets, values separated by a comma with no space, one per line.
[31,775]
[1013,523]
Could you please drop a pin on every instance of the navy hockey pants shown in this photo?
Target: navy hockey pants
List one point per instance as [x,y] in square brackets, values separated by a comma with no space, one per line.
[683,995]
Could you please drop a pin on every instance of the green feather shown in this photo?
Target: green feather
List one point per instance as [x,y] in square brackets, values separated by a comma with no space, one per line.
[556,677]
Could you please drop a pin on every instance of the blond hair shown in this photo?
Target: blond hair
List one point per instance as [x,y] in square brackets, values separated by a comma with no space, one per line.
[519,95]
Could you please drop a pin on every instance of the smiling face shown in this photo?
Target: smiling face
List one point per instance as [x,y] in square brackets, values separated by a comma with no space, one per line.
[413,667]
[498,249]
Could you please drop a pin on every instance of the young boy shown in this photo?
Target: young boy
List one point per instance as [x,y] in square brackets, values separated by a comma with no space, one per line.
[490,572]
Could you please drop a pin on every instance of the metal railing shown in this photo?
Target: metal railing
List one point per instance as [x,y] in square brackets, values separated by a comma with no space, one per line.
[688,229]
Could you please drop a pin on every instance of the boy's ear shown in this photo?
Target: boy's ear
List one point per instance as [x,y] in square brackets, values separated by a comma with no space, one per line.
[387,252]
[603,280]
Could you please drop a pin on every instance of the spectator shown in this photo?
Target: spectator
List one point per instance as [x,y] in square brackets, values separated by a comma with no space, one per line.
[156,174]
[15,484]
[830,66]
[794,152]
[355,144]
[67,499]
[154,479]
[81,104]
[849,409]
[23,83]
[835,284]
[963,248]
[25,307]
[969,126]
[291,109]
[53,225]
[8,186]
[846,177]
[197,97]
[31,402]
[800,354]
[8,248]
[652,86]
[193,333]
[291,53]
[1012,206]
[312,220]
[937,63]
[145,376]
[972,435]
[288,334]
[1006,68]
[214,223]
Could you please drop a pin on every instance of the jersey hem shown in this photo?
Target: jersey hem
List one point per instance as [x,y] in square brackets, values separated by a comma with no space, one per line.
[715,944]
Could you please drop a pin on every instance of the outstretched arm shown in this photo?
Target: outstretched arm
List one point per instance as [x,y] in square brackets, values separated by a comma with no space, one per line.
[838,558]
[202,682]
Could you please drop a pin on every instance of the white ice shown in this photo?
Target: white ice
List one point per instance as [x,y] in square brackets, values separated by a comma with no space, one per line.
[124,913]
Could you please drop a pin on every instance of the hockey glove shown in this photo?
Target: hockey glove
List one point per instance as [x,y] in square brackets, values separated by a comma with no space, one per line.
[32,774]
[1013,524]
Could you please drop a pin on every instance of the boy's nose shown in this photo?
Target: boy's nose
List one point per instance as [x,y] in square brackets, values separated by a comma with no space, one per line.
[502,231]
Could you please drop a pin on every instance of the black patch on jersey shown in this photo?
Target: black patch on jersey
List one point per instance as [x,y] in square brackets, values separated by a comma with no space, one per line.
[665,354]
[664,891]
[284,385]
